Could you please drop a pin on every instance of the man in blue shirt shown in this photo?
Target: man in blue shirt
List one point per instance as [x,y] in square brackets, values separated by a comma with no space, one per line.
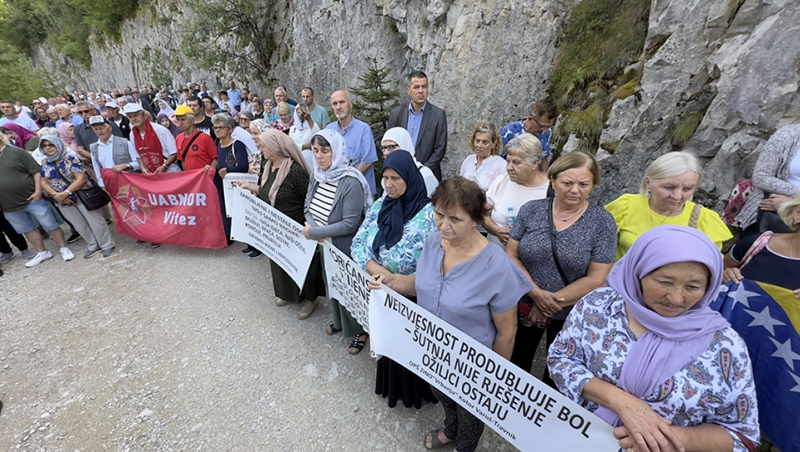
[540,123]
[235,96]
[361,151]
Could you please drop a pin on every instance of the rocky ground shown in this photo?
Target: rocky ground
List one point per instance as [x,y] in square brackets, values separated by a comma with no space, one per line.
[179,349]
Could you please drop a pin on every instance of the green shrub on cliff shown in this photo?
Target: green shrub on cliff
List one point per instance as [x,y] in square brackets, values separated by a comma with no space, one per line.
[600,39]
[19,81]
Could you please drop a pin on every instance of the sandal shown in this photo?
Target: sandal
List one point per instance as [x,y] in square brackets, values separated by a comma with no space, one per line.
[358,344]
[435,443]
[330,330]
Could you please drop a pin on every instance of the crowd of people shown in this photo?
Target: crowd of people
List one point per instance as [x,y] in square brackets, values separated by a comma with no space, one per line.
[509,251]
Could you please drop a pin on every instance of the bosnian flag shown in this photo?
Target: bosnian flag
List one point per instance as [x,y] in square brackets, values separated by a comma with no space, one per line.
[768,319]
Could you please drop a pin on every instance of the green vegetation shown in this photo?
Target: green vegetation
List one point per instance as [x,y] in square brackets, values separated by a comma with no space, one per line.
[233,37]
[682,129]
[19,81]
[373,104]
[601,38]
[65,24]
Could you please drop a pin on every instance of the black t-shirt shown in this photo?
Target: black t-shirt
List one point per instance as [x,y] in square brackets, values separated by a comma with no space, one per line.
[767,266]
[207,127]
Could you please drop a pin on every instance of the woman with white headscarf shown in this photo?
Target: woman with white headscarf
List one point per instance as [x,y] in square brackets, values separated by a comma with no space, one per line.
[338,196]
[398,138]
[283,185]
[303,128]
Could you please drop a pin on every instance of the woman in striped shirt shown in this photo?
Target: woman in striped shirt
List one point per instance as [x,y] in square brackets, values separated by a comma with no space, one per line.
[337,198]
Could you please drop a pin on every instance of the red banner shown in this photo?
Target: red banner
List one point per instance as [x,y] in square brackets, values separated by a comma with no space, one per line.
[180,208]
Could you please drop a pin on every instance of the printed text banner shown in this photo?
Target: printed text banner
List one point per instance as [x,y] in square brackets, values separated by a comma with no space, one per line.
[264,227]
[228,189]
[347,283]
[180,208]
[518,406]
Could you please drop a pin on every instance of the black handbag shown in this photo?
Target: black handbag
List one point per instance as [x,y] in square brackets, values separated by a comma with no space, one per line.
[768,220]
[93,197]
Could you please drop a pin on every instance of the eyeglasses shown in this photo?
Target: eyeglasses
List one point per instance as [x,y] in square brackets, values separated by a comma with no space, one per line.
[48,145]
[83,112]
[544,128]
[390,148]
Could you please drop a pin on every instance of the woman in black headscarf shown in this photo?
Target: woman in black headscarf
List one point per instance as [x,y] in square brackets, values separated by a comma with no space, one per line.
[390,240]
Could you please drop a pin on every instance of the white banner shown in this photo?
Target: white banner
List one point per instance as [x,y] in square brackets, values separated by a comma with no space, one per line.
[347,283]
[515,404]
[264,227]
[228,189]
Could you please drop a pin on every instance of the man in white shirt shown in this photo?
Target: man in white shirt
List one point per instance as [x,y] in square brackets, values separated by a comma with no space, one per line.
[109,150]
[12,115]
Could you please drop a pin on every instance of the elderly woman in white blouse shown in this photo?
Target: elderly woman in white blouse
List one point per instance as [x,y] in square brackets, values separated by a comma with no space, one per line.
[522,182]
[485,164]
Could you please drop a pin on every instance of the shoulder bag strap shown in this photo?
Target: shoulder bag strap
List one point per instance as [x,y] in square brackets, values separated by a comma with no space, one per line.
[695,216]
[61,175]
[757,246]
[186,148]
[553,244]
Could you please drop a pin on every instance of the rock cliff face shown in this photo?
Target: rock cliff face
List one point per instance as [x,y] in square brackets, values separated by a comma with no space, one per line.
[734,65]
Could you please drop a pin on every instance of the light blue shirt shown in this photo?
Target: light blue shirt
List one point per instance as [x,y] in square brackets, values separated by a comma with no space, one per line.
[320,116]
[415,121]
[235,97]
[516,128]
[105,157]
[360,147]
[75,120]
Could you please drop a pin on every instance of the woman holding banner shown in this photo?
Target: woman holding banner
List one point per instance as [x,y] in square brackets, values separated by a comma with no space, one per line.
[468,282]
[648,356]
[390,240]
[337,198]
[232,158]
[283,185]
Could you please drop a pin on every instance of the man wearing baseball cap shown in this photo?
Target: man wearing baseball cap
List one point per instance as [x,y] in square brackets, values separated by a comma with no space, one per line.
[196,149]
[115,115]
[110,151]
[84,134]
[153,142]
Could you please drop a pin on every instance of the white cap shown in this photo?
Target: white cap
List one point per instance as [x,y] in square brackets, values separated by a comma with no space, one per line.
[132,107]
[111,104]
[97,120]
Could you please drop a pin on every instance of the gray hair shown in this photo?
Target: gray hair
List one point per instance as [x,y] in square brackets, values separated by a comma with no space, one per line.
[527,146]
[85,103]
[224,119]
[47,131]
[671,164]
[248,114]
[786,211]
[60,106]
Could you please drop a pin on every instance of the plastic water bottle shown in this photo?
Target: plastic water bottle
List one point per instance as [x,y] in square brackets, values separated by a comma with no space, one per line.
[511,217]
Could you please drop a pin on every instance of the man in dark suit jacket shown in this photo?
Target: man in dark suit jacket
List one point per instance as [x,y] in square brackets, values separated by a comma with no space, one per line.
[425,122]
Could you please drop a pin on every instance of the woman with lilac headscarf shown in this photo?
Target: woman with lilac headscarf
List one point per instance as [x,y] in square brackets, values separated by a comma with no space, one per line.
[649,357]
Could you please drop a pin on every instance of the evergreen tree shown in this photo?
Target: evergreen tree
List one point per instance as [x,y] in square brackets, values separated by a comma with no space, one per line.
[375,99]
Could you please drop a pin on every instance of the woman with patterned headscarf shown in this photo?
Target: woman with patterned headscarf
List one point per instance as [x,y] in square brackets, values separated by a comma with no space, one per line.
[338,196]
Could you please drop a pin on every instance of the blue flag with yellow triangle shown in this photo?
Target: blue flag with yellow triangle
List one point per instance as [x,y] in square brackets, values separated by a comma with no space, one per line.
[768,319]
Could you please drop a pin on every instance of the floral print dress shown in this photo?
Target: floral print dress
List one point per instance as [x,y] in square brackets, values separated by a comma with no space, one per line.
[717,387]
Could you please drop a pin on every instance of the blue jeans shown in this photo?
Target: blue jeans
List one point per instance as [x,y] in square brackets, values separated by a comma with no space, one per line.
[22,219]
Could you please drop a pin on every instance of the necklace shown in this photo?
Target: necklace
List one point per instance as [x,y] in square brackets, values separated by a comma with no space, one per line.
[568,218]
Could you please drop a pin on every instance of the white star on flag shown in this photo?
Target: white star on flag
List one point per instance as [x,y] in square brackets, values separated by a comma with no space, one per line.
[796,380]
[764,319]
[785,352]
[741,295]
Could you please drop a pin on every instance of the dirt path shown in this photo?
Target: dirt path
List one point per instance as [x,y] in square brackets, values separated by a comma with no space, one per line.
[178,349]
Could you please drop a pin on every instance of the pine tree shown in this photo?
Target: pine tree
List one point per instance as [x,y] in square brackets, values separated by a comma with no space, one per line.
[375,100]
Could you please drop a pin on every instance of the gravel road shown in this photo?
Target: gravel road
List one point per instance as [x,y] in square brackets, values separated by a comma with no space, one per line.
[180,349]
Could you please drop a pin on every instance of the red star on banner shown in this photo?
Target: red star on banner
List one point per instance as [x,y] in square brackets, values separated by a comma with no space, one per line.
[136,205]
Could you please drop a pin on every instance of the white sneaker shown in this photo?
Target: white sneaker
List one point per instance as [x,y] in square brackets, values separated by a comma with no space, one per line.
[66,253]
[39,258]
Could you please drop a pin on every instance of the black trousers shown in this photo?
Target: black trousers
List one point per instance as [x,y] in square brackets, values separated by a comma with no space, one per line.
[17,239]
[526,343]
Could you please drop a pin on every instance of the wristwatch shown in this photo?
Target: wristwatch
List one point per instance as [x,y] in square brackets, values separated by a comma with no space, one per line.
[68,192]
[129,166]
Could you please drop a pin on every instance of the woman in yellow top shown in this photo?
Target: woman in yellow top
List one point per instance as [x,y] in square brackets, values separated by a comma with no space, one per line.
[664,198]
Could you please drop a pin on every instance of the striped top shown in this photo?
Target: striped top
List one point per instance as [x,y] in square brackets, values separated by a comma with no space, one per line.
[322,202]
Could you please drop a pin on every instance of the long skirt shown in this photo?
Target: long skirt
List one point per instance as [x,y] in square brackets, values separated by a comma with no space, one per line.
[286,288]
